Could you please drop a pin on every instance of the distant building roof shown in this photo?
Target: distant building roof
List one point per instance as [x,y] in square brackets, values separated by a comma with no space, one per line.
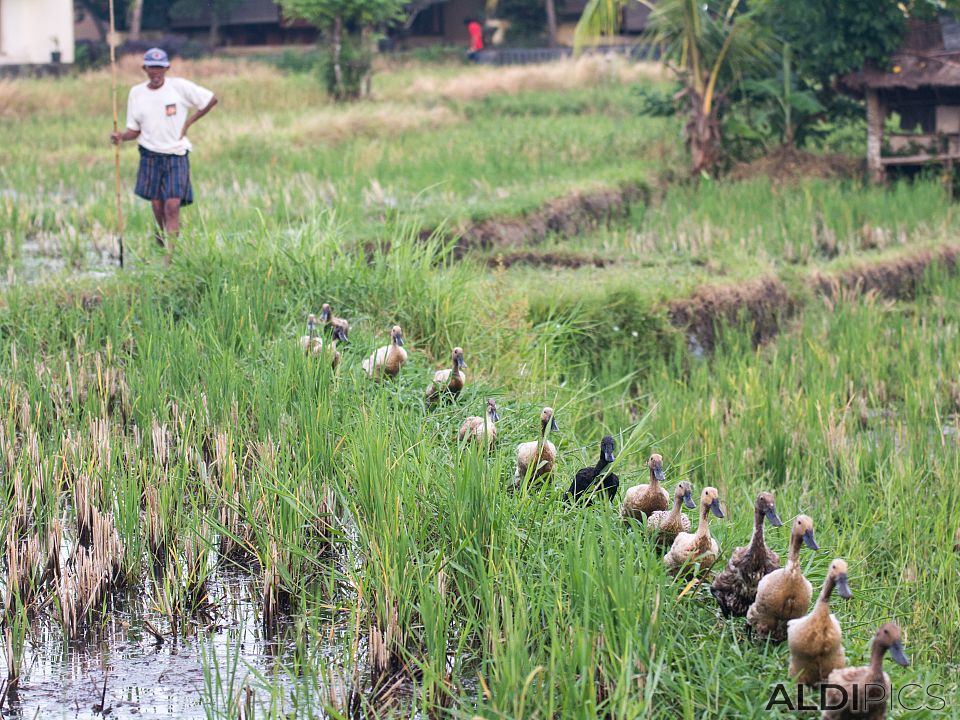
[249,12]
[929,57]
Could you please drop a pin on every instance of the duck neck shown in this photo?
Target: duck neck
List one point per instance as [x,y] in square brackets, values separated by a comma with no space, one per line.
[675,510]
[653,480]
[876,660]
[456,368]
[600,466]
[794,557]
[823,602]
[703,527]
[756,542]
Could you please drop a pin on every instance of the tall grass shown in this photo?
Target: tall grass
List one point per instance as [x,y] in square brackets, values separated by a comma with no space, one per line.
[360,519]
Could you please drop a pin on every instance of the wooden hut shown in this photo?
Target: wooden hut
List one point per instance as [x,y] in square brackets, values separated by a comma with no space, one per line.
[922,86]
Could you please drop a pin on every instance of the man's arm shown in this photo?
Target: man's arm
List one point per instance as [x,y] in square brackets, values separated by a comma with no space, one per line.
[197,115]
[119,137]
[132,131]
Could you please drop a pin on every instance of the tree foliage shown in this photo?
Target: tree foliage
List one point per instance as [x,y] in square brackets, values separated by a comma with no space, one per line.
[348,26]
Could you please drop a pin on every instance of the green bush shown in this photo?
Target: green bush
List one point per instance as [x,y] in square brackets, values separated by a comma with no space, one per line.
[355,62]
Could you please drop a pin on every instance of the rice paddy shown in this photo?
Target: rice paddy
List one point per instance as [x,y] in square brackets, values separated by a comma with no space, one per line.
[201,520]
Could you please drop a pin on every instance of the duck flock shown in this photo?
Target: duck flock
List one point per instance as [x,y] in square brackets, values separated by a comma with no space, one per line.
[773,599]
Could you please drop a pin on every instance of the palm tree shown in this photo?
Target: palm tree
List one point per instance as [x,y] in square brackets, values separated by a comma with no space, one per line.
[709,45]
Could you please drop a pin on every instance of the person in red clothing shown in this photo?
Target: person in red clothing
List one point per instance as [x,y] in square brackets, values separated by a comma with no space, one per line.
[476,38]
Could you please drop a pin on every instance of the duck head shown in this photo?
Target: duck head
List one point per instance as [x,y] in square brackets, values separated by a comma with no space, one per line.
[684,492]
[492,410]
[803,528]
[548,421]
[766,506]
[888,638]
[606,449]
[710,499]
[838,576]
[656,467]
[396,335]
[325,312]
[340,331]
[458,358]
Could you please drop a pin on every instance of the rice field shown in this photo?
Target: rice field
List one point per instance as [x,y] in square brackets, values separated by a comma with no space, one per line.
[199,520]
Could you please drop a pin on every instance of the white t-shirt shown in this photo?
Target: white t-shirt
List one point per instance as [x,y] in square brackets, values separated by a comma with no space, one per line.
[160,114]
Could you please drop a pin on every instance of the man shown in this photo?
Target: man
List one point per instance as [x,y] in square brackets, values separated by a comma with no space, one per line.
[476,38]
[158,119]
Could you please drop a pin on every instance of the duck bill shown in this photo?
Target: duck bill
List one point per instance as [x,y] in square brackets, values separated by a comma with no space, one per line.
[608,456]
[400,340]
[715,508]
[773,518]
[461,363]
[553,425]
[325,315]
[495,416]
[688,500]
[896,652]
[809,541]
[659,474]
[843,589]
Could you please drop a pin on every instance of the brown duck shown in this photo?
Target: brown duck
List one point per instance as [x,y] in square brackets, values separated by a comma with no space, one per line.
[736,587]
[866,682]
[664,525]
[815,640]
[646,499]
[784,594]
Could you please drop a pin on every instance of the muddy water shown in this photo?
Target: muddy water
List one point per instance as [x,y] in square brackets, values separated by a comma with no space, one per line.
[144,678]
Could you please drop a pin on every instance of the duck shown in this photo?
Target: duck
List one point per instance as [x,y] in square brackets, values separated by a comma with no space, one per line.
[340,330]
[581,489]
[699,547]
[481,429]
[537,456]
[647,498]
[865,682]
[387,359]
[815,643]
[665,525]
[784,594]
[735,588]
[327,317]
[310,343]
[450,380]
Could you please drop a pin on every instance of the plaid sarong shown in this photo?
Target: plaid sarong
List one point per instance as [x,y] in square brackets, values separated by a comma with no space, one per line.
[162,177]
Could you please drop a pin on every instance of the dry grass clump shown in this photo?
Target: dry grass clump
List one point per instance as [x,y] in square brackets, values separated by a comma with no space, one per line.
[368,120]
[208,68]
[563,75]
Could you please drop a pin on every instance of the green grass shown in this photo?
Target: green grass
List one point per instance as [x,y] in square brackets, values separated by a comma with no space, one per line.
[404,572]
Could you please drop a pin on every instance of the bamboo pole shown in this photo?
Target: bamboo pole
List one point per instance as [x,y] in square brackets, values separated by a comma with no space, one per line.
[116,127]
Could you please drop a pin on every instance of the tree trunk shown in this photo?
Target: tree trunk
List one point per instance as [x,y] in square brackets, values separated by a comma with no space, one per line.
[214,38]
[702,137]
[551,23]
[336,48]
[874,136]
[366,42]
[136,18]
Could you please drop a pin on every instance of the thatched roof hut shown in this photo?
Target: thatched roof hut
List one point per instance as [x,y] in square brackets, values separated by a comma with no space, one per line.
[922,86]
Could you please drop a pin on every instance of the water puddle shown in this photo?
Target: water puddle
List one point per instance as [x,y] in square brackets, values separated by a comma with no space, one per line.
[138,677]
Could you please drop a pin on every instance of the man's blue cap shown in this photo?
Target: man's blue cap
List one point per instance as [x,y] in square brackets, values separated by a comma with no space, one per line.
[155,57]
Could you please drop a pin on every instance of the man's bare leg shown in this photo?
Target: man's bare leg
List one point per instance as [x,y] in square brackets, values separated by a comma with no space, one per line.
[158,214]
[171,222]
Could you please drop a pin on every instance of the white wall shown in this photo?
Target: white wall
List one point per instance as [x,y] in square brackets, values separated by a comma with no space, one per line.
[28,29]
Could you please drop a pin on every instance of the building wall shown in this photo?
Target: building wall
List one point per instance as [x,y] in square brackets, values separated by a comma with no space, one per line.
[32,29]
